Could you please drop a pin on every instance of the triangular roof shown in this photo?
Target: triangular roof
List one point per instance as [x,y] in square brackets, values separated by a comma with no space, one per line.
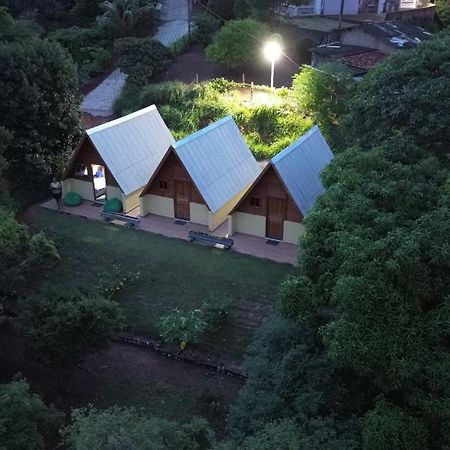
[219,162]
[132,146]
[299,167]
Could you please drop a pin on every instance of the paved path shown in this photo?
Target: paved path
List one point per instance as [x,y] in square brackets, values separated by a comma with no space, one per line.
[100,101]
[243,243]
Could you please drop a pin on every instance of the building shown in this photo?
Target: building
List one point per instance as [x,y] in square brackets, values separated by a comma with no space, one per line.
[202,177]
[116,159]
[285,191]
[386,37]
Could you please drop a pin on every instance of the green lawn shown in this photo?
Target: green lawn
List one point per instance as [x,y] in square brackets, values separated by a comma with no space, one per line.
[174,273]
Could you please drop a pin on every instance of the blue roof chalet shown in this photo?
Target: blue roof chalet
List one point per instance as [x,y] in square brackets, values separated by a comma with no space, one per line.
[300,165]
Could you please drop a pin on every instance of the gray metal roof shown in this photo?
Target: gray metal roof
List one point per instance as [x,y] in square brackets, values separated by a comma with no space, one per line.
[133,146]
[218,161]
[300,165]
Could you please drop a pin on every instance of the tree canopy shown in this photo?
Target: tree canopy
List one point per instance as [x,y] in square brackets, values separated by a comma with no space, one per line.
[38,88]
[61,328]
[25,421]
[409,93]
[119,428]
[239,42]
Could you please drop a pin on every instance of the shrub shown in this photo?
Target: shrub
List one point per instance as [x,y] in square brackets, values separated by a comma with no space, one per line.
[205,27]
[216,309]
[113,205]
[141,58]
[238,43]
[182,327]
[72,199]
[92,62]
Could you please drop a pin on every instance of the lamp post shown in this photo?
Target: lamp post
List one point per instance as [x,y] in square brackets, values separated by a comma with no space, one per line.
[272,52]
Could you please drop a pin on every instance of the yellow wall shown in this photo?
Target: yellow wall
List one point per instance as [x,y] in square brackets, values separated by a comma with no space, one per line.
[154,204]
[240,222]
[292,231]
[83,188]
[131,201]
[219,216]
[199,213]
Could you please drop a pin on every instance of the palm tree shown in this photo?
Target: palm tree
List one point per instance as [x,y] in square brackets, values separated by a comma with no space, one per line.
[125,17]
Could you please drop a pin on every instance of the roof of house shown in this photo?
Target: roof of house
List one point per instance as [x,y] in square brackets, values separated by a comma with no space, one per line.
[219,162]
[132,146]
[300,165]
[397,34]
[364,60]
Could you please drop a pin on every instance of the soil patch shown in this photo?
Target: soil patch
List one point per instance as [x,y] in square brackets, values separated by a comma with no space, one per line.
[187,65]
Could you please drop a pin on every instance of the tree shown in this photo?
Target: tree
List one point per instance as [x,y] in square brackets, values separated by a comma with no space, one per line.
[238,43]
[222,8]
[128,17]
[11,29]
[291,380]
[25,421]
[374,276]
[21,254]
[141,58]
[119,428]
[5,139]
[85,11]
[443,12]
[38,94]
[323,93]
[62,328]
[408,93]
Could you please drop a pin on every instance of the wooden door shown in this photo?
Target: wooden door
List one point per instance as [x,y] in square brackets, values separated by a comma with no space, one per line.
[276,211]
[182,200]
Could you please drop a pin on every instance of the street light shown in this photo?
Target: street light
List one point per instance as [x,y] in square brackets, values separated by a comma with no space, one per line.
[272,52]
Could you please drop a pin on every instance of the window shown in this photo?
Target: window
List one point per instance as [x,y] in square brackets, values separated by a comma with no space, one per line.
[163,185]
[254,202]
[81,170]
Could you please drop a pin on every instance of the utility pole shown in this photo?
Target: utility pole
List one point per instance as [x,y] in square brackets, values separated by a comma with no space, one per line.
[341,13]
[189,18]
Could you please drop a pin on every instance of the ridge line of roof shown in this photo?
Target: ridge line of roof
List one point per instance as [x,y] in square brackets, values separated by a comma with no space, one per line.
[202,132]
[120,120]
[294,145]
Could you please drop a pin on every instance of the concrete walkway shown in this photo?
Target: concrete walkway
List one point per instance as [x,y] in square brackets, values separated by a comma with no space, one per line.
[100,101]
[243,243]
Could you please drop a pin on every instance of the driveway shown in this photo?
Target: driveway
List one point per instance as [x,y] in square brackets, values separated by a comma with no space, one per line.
[174,25]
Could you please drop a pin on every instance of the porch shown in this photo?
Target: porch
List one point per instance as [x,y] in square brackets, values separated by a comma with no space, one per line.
[243,243]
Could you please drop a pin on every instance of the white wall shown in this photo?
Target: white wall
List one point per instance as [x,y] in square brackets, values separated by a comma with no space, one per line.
[292,231]
[154,204]
[83,188]
[199,213]
[253,224]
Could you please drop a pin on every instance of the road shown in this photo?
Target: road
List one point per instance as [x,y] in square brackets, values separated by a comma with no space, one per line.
[174,25]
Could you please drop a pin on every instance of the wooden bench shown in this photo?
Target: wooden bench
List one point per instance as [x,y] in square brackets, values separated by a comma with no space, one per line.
[210,239]
[131,221]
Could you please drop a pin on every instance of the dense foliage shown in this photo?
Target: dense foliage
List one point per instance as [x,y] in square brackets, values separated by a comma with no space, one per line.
[25,421]
[323,93]
[205,27]
[141,58]
[238,43]
[61,328]
[294,394]
[22,255]
[129,17]
[408,93]
[376,256]
[40,108]
[119,428]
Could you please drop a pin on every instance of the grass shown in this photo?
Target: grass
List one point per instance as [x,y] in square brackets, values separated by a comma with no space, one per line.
[174,274]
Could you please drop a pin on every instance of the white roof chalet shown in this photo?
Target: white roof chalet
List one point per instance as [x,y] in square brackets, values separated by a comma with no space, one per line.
[132,146]
[219,162]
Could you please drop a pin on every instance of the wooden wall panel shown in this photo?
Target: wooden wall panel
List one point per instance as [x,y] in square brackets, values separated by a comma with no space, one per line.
[171,170]
[269,185]
[87,155]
